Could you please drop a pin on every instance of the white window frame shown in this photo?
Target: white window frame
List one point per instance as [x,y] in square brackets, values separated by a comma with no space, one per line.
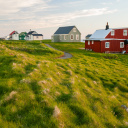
[60,37]
[107,43]
[77,37]
[71,36]
[112,32]
[125,33]
[64,37]
[88,42]
[74,29]
[92,42]
[121,46]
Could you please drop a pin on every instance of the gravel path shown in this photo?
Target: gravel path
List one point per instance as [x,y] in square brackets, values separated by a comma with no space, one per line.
[66,55]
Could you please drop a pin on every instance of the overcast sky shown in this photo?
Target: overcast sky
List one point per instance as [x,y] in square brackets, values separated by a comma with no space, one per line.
[45,16]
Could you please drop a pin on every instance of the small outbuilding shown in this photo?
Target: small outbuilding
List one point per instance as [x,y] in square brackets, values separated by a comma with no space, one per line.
[67,34]
[108,40]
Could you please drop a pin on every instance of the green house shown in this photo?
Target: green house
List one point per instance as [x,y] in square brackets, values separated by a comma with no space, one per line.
[22,36]
[67,34]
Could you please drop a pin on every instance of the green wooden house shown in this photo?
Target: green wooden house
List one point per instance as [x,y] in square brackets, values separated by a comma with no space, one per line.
[67,34]
[22,36]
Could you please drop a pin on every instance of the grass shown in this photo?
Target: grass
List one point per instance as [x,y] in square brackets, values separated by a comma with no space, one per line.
[84,91]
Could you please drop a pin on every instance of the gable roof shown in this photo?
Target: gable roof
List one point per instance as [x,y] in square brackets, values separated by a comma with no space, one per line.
[100,34]
[64,30]
[13,33]
[31,32]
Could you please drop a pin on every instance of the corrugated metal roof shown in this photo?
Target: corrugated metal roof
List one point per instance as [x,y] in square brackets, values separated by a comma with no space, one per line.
[64,30]
[100,39]
[100,34]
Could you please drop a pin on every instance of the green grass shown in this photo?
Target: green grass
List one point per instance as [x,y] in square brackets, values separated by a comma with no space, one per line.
[88,88]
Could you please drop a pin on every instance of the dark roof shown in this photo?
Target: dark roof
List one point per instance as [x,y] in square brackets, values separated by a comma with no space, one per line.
[64,30]
[88,35]
[37,34]
[31,32]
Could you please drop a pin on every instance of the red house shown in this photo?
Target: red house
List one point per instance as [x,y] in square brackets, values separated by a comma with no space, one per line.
[108,40]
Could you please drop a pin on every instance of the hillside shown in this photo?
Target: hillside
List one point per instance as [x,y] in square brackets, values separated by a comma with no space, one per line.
[39,90]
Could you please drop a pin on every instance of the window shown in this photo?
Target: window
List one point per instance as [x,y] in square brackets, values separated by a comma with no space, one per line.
[77,37]
[89,42]
[107,44]
[60,37]
[36,36]
[121,44]
[92,42]
[112,33]
[74,29]
[72,37]
[125,32]
[64,37]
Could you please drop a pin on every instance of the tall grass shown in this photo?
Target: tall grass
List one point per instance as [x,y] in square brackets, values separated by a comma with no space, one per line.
[38,90]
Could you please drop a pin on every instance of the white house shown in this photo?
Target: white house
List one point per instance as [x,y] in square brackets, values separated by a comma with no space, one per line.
[14,35]
[33,35]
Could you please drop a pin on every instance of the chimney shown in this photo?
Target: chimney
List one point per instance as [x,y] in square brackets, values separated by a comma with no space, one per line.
[107,26]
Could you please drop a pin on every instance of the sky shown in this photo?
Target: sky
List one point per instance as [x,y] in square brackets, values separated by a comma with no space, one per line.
[45,16]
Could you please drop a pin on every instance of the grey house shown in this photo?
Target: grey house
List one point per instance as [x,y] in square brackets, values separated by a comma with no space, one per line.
[67,34]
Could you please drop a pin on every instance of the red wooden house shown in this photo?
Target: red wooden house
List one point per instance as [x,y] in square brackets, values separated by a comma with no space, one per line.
[108,40]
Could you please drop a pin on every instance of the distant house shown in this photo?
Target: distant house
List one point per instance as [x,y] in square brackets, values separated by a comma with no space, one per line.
[33,35]
[7,37]
[14,35]
[108,40]
[67,34]
[88,36]
[22,36]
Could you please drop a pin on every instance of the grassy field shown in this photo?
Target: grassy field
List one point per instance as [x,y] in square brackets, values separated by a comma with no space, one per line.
[38,90]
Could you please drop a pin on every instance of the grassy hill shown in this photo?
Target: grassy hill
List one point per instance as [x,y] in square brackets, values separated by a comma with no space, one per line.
[38,90]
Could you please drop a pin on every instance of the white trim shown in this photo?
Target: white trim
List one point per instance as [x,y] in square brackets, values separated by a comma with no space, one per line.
[77,37]
[121,46]
[88,42]
[125,32]
[108,44]
[64,37]
[74,29]
[71,36]
[92,42]
[112,32]
[60,37]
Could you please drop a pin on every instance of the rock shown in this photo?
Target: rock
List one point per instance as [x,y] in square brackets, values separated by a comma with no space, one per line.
[56,112]
[11,95]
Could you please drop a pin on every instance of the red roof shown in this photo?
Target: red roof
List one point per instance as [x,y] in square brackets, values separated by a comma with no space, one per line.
[12,33]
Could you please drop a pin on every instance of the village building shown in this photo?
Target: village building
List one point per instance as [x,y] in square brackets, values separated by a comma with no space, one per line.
[108,40]
[14,35]
[22,36]
[67,34]
[33,35]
